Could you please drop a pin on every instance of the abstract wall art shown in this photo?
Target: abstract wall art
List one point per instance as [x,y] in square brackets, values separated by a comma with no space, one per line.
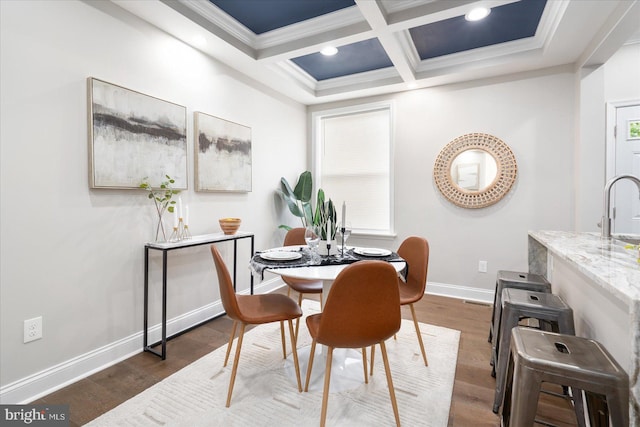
[133,136]
[222,154]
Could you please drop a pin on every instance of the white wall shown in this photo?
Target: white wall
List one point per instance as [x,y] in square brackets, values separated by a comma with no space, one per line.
[74,255]
[533,113]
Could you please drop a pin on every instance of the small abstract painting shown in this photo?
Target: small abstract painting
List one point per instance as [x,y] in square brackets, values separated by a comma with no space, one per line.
[223,154]
[133,136]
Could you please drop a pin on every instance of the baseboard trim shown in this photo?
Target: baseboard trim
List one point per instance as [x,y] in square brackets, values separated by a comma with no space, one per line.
[459,292]
[56,377]
[47,381]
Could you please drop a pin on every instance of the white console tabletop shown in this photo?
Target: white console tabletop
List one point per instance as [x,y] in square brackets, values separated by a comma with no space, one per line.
[600,280]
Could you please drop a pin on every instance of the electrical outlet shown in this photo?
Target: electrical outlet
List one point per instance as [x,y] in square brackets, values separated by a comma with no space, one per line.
[32,329]
[482,266]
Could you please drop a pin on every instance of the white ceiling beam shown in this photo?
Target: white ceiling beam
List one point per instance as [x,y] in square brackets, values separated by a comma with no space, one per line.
[619,27]
[375,16]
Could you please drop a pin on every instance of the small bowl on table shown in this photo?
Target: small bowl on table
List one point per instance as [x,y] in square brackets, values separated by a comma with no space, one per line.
[229,225]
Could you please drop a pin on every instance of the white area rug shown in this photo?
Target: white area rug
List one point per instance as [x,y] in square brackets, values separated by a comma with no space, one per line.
[265,394]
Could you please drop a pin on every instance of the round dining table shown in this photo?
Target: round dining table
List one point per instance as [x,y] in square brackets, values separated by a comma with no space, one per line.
[347,368]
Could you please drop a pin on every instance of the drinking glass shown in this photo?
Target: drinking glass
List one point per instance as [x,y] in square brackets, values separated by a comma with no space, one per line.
[312,237]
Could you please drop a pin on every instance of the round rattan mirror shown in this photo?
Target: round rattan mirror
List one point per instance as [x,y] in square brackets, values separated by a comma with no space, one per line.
[475,170]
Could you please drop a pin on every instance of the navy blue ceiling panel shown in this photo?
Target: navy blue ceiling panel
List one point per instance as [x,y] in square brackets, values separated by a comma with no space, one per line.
[261,16]
[359,57]
[505,23]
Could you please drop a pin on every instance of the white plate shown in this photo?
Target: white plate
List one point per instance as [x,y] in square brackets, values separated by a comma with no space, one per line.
[372,252]
[280,256]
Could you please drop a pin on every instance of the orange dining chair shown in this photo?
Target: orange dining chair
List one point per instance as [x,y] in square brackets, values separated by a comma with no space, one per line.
[415,251]
[295,236]
[254,310]
[362,309]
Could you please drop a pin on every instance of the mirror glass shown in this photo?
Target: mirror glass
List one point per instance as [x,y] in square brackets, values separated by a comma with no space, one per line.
[474,170]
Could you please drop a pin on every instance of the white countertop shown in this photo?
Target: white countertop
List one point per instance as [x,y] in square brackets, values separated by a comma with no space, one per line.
[605,261]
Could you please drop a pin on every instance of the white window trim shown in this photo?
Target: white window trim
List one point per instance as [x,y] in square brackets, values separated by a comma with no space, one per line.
[316,137]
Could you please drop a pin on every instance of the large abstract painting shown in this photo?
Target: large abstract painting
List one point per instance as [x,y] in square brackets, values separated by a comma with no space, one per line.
[223,154]
[134,136]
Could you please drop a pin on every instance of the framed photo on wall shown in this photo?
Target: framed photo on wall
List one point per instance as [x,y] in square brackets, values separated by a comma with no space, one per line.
[133,136]
[222,154]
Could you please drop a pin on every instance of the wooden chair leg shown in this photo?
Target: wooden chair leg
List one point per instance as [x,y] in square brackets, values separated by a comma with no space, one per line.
[284,345]
[364,364]
[310,365]
[415,322]
[235,365]
[325,393]
[295,354]
[298,319]
[392,392]
[373,352]
[231,337]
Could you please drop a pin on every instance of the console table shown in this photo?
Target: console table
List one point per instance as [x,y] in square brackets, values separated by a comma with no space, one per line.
[165,248]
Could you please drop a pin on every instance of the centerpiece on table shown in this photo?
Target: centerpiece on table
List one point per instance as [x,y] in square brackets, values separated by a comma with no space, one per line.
[322,219]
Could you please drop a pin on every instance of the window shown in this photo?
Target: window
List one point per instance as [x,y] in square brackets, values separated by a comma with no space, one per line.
[353,164]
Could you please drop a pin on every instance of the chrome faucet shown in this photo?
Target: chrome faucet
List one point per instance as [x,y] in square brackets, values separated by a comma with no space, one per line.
[606,218]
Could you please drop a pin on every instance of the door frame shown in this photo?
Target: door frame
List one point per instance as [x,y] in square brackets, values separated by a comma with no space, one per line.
[610,135]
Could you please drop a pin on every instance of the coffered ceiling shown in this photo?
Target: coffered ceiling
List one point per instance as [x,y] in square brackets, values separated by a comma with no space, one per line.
[391,45]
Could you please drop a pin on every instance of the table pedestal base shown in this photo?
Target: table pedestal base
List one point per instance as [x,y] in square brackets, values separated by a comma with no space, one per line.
[347,372]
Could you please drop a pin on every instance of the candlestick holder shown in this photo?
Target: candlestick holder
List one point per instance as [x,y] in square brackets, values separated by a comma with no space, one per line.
[180,232]
[186,234]
[342,229]
[174,235]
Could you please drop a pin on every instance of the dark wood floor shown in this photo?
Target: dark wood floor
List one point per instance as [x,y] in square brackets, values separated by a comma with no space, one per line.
[472,393]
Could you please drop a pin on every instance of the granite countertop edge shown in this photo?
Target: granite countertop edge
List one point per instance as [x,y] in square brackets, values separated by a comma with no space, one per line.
[605,261]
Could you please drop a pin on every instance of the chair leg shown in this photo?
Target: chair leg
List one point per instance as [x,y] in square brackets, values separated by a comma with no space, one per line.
[415,322]
[295,354]
[298,319]
[327,380]
[310,365]
[231,337]
[364,364]
[284,345]
[392,392]
[373,352]
[235,365]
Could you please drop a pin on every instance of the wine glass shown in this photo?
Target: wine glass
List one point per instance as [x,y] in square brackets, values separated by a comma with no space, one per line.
[312,237]
[345,232]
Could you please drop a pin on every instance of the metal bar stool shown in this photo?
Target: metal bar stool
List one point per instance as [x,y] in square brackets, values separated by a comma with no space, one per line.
[516,280]
[511,280]
[519,304]
[580,363]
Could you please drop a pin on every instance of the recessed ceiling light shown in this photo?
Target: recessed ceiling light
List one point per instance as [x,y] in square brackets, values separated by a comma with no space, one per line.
[329,51]
[477,14]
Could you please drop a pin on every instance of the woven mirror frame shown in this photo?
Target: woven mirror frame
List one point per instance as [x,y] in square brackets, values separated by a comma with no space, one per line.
[507,170]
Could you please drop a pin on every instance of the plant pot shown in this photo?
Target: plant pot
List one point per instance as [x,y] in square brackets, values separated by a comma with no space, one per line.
[322,248]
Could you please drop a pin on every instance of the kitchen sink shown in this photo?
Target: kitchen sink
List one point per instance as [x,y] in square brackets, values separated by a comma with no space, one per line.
[633,240]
